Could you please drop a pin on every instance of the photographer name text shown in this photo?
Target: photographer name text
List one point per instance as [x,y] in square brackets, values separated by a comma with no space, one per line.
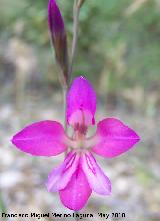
[40,216]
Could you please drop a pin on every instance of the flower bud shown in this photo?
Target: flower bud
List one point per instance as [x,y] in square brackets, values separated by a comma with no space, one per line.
[58,36]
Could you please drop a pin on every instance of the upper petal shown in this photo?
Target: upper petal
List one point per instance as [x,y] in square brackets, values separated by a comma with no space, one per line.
[81,102]
[77,192]
[98,181]
[60,176]
[44,138]
[114,138]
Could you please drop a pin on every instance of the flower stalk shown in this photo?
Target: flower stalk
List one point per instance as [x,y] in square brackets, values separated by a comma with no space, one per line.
[76,10]
[59,39]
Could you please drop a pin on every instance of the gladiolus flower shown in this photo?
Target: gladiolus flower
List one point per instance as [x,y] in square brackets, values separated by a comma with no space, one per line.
[79,174]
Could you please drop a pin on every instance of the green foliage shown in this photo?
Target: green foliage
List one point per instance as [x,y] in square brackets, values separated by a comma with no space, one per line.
[110,42]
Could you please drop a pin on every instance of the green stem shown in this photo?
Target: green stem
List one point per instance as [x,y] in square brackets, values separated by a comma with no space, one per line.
[64,104]
[76,10]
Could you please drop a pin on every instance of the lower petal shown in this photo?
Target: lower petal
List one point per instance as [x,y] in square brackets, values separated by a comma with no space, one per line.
[98,181]
[60,176]
[77,192]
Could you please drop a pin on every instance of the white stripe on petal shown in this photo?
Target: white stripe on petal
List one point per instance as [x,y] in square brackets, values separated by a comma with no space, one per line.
[60,176]
[97,180]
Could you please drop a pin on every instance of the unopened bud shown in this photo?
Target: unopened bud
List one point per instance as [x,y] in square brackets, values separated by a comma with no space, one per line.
[58,36]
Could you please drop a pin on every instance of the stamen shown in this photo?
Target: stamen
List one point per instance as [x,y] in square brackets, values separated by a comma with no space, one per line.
[81,128]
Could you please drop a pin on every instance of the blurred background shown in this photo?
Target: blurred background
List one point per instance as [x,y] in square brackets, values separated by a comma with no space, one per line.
[119,52]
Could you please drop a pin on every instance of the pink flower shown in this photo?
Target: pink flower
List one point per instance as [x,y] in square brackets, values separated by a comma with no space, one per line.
[79,174]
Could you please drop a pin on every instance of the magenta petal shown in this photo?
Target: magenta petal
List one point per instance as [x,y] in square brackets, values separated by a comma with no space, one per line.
[77,192]
[60,176]
[114,138]
[81,102]
[44,138]
[98,181]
